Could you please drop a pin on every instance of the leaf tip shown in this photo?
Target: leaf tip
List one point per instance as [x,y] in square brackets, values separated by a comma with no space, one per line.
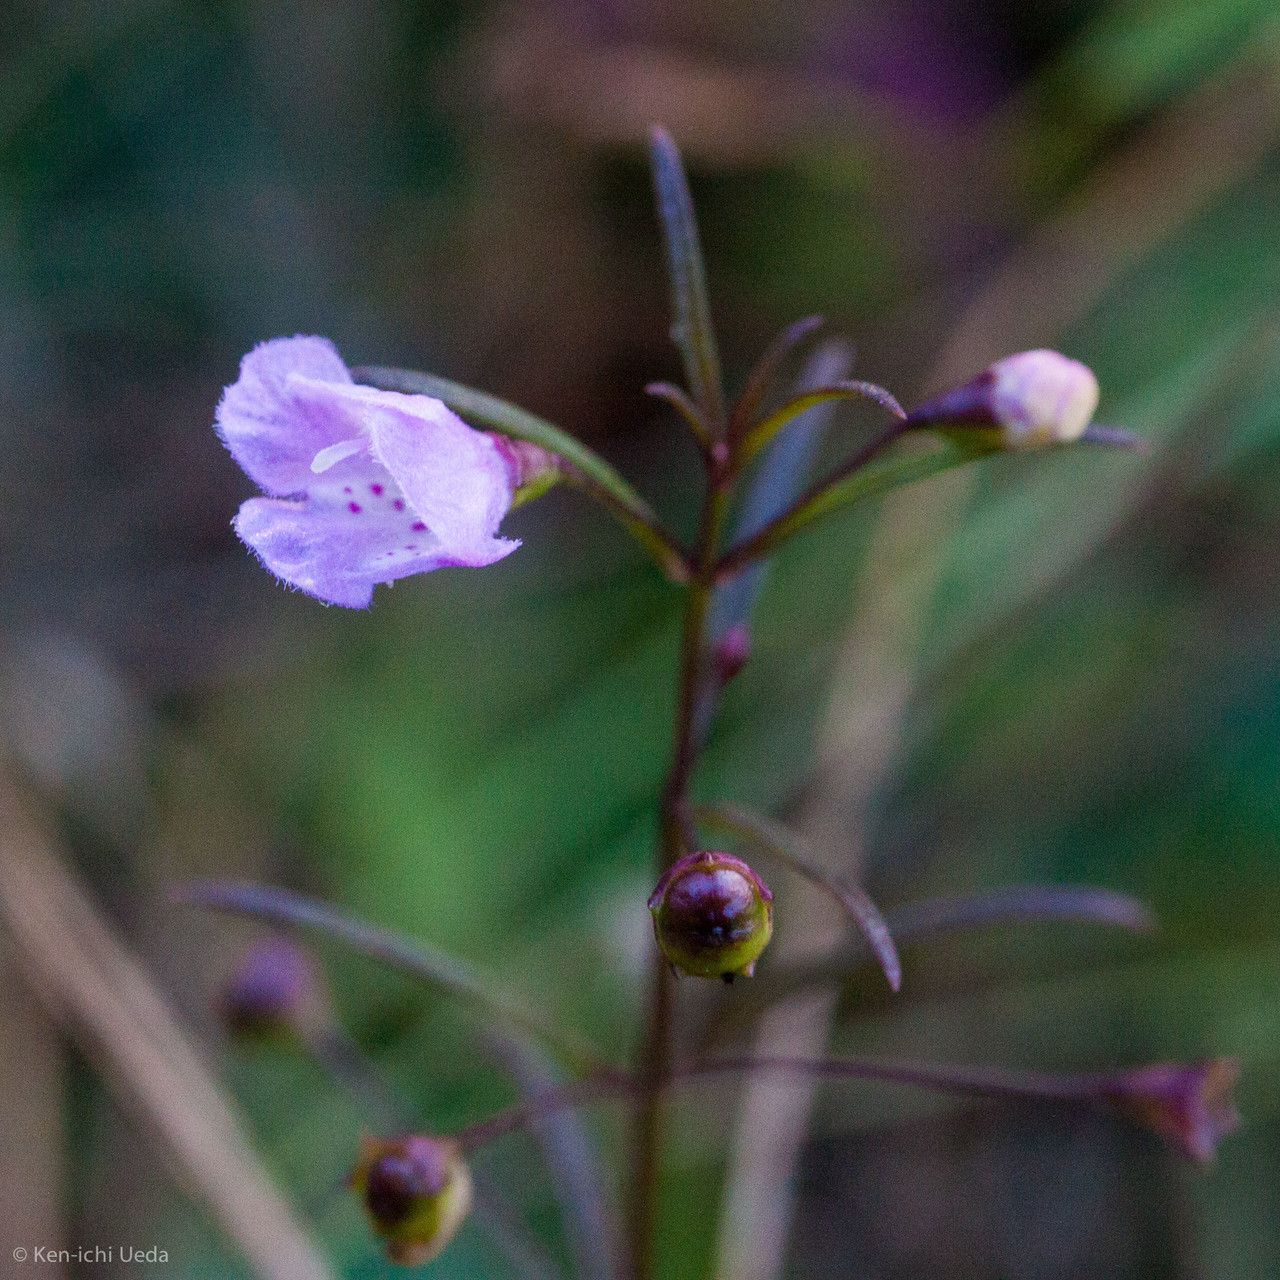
[1118,438]
[660,137]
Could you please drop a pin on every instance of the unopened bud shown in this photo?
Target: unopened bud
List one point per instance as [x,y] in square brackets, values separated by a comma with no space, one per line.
[273,990]
[416,1191]
[712,916]
[1190,1104]
[731,652]
[1032,399]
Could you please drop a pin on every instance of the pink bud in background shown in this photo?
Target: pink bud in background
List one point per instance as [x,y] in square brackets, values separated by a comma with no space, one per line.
[731,652]
[273,990]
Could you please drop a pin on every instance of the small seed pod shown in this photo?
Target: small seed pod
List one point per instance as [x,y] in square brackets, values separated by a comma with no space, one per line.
[712,916]
[416,1192]
[1032,399]
[273,991]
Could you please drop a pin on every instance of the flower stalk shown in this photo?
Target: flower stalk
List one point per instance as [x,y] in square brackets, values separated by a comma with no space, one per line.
[1189,1105]
[676,838]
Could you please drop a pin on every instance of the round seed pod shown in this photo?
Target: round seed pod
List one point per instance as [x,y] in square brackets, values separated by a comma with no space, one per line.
[712,916]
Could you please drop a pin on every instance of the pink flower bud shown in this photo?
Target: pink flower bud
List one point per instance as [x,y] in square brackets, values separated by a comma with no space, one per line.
[1032,399]
[1188,1104]
[731,653]
[416,1193]
[712,916]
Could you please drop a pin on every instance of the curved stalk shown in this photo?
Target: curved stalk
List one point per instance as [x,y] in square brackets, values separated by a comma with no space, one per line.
[687,410]
[758,436]
[964,1081]
[761,377]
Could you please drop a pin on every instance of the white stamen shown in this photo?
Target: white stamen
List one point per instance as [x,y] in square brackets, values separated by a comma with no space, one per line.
[332,454]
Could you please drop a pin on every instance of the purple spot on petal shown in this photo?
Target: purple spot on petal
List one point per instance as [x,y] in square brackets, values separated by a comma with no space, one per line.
[411,546]
[376,490]
[346,488]
[354,508]
[418,527]
[398,504]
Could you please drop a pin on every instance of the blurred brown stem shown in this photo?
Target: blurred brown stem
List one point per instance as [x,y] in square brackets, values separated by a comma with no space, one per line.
[31,1083]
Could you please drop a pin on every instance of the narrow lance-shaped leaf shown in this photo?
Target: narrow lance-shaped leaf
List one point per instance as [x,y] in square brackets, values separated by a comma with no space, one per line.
[761,377]
[692,328]
[760,434]
[685,407]
[582,466]
[775,841]
[845,488]
[1015,904]
[445,972]
[863,478]
[937,917]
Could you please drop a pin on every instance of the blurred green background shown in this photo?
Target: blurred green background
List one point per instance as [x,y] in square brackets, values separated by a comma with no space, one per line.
[1092,688]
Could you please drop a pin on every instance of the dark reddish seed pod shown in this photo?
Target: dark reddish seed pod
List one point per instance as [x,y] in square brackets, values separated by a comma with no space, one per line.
[712,916]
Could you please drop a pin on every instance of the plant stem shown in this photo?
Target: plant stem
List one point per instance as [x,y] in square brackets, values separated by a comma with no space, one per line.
[991,1083]
[676,836]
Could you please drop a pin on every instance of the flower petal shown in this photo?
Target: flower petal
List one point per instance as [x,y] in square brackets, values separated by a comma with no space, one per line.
[272,431]
[457,479]
[343,539]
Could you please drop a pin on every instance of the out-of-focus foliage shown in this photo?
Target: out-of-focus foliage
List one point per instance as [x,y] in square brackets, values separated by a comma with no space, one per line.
[461,187]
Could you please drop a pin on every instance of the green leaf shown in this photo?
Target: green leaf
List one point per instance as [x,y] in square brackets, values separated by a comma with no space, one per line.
[867,482]
[858,483]
[692,329]
[760,435]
